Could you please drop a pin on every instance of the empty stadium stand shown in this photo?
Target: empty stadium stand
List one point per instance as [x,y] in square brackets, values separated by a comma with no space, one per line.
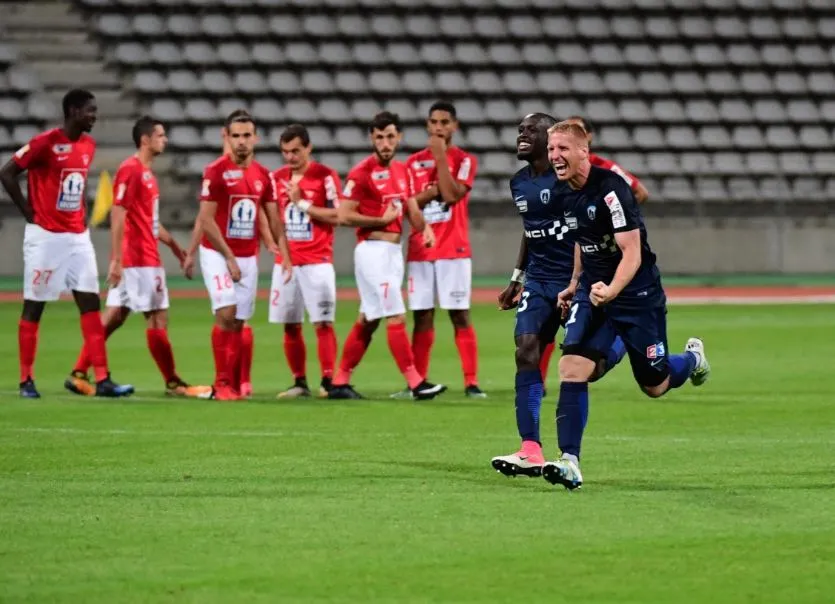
[709,101]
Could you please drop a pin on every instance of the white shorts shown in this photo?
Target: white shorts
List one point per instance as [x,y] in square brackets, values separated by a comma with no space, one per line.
[378,268]
[452,279]
[225,292]
[312,287]
[142,289]
[57,262]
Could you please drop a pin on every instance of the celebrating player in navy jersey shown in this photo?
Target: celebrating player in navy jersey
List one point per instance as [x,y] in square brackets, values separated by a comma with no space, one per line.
[619,293]
[546,260]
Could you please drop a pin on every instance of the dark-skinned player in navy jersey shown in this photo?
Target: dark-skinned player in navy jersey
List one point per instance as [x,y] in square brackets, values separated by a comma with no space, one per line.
[638,189]
[57,252]
[619,294]
[546,266]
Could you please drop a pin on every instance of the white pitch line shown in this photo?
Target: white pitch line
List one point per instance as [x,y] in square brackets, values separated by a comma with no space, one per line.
[752,300]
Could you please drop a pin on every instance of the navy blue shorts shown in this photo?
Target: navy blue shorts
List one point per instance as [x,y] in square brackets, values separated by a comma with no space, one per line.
[537,312]
[590,331]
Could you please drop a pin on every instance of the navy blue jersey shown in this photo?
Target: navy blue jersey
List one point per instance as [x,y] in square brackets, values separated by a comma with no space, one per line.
[605,206]
[550,240]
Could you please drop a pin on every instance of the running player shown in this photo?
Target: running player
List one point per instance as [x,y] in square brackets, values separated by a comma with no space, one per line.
[237,202]
[638,189]
[620,293]
[136,274]
[308,195]
[447,173]
[57,252]
[375,196]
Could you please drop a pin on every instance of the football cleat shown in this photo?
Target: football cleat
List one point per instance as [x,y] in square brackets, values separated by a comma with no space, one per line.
[520,463]
[344,392]
[402,395]
[107,388]
[79,383]
[702,369]
[564,471]
[224,392]
[297,390]
[246,390]
[325,387]
[28,390]
[178,387]
[426,390]
[474,391]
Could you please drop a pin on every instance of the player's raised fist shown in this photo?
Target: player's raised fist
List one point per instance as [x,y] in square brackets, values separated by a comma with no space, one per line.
[234,269]
[600,294]
[437,145]
[294,192]
[509,297]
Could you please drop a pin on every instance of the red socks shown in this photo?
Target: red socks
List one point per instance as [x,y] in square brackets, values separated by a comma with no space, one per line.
[352,352]
[326,341]
[161,351]
[233,357]
[402,352]
[220,346]
[93,332]
[467,344]
[247,347]
[294,349]
[27,341]
[422,342]
[545,360]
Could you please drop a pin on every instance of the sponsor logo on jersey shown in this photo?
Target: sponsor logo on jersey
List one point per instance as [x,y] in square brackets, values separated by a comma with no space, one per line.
[615,209]
[61,149]
[147,176]
[464,170]
[655,351]
[71,193]
[233,175]
[22,151]
[435,212]
[557,230]
[120,192]
[207,186]
[348,188]
[425,164]
[384,175]
[297,224]
[242,214]
[521,203]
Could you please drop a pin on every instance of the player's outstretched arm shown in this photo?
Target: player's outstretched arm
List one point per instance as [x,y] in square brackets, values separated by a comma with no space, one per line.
[117,237]
[349,216]
[8,178]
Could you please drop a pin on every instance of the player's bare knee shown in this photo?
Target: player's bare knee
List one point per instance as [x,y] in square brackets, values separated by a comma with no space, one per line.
[527,352]
[156,319]
[574,368]
[87,301]
[225,318]
[32,311]
[395,320]
[322,325]
[424,319]
[657,391]
[460,318]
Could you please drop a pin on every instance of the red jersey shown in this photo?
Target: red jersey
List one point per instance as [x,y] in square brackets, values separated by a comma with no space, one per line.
[57,177]
[375,186]
[135,189]
[310,241]
[450,223]
[239,194]
[608,164]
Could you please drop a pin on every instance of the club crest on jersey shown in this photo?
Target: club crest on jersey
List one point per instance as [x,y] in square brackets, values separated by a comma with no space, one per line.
[592,212]
[297,224]
[71,194]
[61,149]
[259,186]
[545,196]
[242,213]
[655,351]
[85,159]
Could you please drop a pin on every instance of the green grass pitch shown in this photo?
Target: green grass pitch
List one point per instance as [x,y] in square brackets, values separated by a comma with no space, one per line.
[722,494]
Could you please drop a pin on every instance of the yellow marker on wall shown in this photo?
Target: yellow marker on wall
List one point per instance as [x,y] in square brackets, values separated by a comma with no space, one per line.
[103,201]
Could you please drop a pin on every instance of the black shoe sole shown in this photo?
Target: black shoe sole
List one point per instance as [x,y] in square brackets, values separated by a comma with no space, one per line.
[554,476]
[512,470]
[426,397]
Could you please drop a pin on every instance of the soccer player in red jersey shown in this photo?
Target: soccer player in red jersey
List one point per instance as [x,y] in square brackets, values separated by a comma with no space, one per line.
[638,189]
[57,252]
[447,172]
[136,275]
[376,193]
[308,195]
[237,202]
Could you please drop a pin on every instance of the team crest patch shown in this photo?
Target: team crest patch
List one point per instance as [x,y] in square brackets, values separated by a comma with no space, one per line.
[655,351]
[545,196]
[592,212]
[85,159]
[259,186]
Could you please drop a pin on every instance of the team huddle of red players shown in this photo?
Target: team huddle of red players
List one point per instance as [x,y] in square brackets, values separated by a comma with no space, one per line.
[292,211]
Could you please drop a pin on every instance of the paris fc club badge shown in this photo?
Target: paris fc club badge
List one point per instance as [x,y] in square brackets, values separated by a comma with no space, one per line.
[545,196]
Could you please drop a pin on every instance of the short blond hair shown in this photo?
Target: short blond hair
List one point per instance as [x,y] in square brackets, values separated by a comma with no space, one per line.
[568,127]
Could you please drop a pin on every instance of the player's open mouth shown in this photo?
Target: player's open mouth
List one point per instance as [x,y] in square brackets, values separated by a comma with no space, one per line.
[523,147]
[560,169]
